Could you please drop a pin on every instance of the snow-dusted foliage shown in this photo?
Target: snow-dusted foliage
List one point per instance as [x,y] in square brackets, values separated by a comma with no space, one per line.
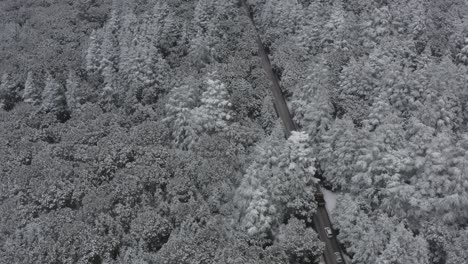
[191,114]
[280,19]
[159,143]
[214,111]
[32,91]
[311,103]
[300,244]
[53,96]
[208,37]
[278,184]
[377,238]
[73,92]
[94,52]
[462,56]
[182,100]
[127,53]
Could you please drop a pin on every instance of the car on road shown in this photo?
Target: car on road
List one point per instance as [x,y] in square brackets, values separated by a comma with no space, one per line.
[329,232]
[338,257]
[319,198]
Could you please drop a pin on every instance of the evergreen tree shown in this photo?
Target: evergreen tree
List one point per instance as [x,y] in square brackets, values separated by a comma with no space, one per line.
[268,115]
[440,180]
[204,11]
[73,94]
[110,52]
[8,92]
[94,52]
[280,19]
[200,51]
[148,70]
[182,99]
[404,247]
[32,92]
[440,100]
[462,56]
[301,244]
[278,184]
[164,28]
[139,74]
[310,35]
[457,251]
[206,36]
[53,97]
[311,102]
[127,34]
[336,27]
[214,110]
[338,150]
[257,213]
[109,72]
[109,97]
[373,237]
[155,85]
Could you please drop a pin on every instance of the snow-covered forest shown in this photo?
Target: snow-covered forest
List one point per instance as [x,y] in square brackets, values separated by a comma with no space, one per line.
[143,131]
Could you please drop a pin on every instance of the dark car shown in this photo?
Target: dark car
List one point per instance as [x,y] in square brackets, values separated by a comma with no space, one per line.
[320,200]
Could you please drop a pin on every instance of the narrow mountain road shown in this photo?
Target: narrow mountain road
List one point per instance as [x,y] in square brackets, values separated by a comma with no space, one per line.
[280,102]
[320,219]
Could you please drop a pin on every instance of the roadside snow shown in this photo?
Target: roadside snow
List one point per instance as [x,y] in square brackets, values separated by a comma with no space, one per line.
[330,201]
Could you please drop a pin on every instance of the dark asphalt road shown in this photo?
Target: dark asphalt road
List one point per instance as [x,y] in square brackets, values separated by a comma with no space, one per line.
[280,103]
[321,219]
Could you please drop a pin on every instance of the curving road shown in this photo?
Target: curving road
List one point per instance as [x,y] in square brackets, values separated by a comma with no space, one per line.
[320,219]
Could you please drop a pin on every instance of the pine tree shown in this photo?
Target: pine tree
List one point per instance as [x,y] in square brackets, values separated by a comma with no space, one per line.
[310,34]
[440,179]
[182,99]
[301,244]
[311,102]
[206,36]
[268,115]
[109,71]
[72,93]
[165,27]
[336,26]
[462,57]
[338,151]
[200,51]
[32,92]
[404,247]
[8,92]
[139,74]
[148,69]
[375,26]
[259,213]
[280,19]
[205,13]
[94,52]
[110,56]
[126,37]
[157,72]
[109,97]
[53,97]
[278,184]
[457,251]
[214,112]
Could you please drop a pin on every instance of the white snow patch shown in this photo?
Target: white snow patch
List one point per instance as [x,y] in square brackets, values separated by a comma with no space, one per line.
[330,200]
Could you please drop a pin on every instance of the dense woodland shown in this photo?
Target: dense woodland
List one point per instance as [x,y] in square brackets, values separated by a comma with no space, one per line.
[143,131]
